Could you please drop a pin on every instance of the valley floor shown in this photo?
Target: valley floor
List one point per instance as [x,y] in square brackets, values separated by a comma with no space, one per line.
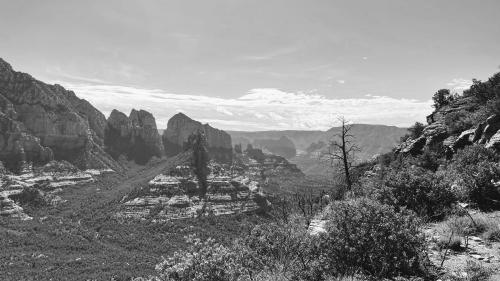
[83,240]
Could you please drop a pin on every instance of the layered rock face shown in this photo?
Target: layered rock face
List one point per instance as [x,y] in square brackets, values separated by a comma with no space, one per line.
[41,122]
[135,136]
[437,132]
[180,127]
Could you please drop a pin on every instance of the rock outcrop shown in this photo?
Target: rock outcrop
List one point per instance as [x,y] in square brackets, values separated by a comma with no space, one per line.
[440,130]
[42,122]
[180,127]
[135,136]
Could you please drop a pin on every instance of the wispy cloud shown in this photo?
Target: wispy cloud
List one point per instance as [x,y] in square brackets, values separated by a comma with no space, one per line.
[271,54]
[459,84]
[259,109]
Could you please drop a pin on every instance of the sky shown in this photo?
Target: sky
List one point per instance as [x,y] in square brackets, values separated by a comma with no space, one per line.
[256,65]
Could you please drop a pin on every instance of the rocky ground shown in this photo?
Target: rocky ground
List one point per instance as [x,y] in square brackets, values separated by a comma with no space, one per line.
[169,198]
[479,251]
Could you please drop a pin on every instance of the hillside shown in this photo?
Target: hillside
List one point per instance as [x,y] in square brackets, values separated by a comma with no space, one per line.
[41,122]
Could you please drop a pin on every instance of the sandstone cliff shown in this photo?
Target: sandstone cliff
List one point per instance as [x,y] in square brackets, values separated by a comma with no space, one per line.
[41,122]
[135,136]
[180,127]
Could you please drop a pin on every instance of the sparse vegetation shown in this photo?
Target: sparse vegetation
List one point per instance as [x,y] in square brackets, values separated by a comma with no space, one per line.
[441,98]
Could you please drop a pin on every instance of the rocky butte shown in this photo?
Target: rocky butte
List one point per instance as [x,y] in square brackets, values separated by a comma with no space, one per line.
[180,127]
[135,136]
[41,122]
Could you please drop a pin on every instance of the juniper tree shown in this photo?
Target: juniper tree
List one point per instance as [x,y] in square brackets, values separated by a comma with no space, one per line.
[198,143]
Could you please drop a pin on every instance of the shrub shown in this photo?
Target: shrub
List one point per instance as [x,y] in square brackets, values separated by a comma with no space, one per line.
[458,121]
[30,196]
[492,234]
[417,189]
[450,241]
[282,249]
[476,224]
[430,159]
[203,260]
[475,170]
[442,98]
[474,271]
[366,236]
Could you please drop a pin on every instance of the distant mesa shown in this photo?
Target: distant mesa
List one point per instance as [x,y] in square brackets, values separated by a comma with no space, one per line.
[41,122]
[180,127]
[135,136]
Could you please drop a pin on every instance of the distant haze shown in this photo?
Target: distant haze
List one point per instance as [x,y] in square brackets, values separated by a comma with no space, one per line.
[256,65]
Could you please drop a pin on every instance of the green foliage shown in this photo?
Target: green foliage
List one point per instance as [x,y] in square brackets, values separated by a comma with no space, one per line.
[363,236]
[417,189]
[198,143]
[414,131]
[202,260]
[283,249]
[459,121]
[441,98]
[474,171]
[484,91]
[366,236]
[30,196]
[430,159]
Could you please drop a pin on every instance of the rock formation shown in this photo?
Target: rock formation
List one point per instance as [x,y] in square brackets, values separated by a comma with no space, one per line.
[438,132]
[135,136]
[41,122]
[180,127]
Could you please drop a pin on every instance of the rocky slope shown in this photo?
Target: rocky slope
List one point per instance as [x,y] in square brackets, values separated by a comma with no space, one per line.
[180,127]
[41,122]
[135,136]
[465,121]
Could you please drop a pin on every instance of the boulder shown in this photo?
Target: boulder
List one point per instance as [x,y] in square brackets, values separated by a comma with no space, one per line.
[180,127]
[478,132]
[414,147]
[435,133]
[491,127]
[465,138]
[494,141]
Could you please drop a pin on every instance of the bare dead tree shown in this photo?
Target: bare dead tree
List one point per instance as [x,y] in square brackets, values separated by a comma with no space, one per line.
[341,151]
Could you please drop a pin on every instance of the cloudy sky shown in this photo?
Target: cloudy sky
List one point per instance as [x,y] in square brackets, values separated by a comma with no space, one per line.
[256,65]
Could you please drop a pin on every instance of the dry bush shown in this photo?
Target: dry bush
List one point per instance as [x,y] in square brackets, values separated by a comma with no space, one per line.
[478,224]
[473,271]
